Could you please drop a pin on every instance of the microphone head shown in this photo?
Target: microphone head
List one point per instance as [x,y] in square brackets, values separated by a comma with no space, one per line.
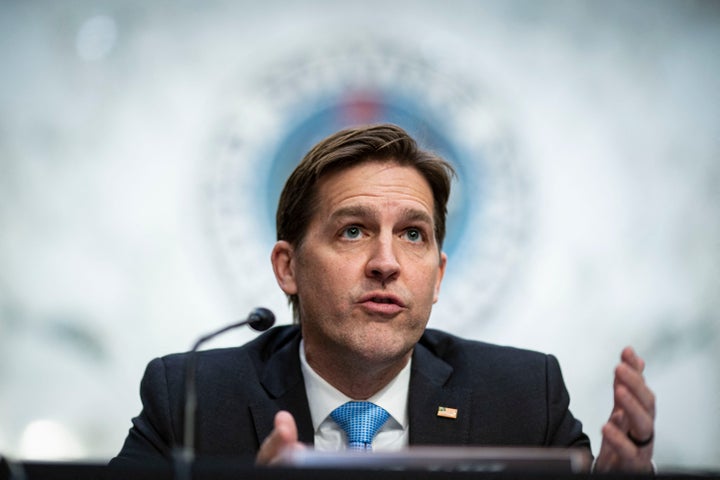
[261,319]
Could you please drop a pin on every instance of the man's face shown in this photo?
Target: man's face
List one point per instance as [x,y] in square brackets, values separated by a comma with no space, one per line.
[368,270]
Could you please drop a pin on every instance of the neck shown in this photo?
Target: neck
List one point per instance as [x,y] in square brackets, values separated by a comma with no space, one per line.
[357,378]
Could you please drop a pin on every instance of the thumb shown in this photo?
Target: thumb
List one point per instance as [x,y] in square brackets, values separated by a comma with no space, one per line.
[284,435]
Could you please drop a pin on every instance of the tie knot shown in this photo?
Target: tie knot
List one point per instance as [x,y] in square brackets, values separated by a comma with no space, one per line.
[361,421]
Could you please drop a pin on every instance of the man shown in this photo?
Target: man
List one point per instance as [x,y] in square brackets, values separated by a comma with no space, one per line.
[360,227]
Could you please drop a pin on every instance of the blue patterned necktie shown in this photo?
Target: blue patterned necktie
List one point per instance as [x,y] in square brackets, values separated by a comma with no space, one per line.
[361,421]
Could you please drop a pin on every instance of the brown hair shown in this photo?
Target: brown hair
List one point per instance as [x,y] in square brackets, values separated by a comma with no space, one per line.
[347,148]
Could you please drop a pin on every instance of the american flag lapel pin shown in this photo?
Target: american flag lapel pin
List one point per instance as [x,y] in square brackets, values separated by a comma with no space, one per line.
[447,412]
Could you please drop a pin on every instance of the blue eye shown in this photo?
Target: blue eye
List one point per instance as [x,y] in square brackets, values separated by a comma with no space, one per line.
[352,232]
[413,234]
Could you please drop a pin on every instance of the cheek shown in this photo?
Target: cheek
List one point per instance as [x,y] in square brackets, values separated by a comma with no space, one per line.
[322,280]
[333,269]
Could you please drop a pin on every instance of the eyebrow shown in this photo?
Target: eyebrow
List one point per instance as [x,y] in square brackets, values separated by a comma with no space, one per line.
[415,215]
[353,211]
[408,214]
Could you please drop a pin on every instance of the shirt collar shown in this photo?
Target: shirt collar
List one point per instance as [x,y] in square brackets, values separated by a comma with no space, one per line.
[323,398]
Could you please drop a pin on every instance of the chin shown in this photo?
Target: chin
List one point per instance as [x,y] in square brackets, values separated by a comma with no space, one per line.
[383,349]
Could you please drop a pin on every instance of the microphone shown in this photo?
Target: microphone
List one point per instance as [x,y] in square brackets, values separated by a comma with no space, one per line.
[259,319]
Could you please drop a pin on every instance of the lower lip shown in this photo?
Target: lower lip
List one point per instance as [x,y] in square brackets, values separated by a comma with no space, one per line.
[385,309]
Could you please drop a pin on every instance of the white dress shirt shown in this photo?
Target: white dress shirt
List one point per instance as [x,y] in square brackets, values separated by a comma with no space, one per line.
[323,398]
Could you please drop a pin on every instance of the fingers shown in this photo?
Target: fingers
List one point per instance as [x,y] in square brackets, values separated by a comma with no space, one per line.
[618,452]
[284,435]
[629,372]
[633,383]
[619,419]
[633,414]
[285,424]
[637,419]
[633,397]
[629,356]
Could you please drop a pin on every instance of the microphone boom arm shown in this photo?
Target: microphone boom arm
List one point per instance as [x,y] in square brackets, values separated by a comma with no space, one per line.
[260,319]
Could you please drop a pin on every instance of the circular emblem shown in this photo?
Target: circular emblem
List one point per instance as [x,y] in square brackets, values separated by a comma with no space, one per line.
[275,118]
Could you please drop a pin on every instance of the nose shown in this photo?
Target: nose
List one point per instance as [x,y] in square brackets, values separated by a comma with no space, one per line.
[383,264]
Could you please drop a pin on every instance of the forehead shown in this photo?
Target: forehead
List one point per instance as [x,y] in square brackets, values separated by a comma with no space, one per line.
[381,182]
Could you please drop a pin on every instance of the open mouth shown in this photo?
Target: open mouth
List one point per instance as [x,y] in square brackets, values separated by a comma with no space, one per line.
[383,300]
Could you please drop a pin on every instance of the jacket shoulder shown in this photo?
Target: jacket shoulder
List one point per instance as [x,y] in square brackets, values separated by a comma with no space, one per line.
[451,348]
[481,364]
[256,351]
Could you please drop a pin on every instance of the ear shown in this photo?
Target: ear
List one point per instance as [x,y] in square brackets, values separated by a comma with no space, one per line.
[283,263]
[440,275]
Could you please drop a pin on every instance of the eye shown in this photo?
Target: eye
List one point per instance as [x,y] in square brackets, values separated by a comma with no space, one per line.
[352,232]
[414,235]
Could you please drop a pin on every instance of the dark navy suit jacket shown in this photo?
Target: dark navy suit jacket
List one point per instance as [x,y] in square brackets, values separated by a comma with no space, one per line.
[504,397]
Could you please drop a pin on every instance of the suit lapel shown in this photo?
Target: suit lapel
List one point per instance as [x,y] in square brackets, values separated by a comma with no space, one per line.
[283,381]
[429,391]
